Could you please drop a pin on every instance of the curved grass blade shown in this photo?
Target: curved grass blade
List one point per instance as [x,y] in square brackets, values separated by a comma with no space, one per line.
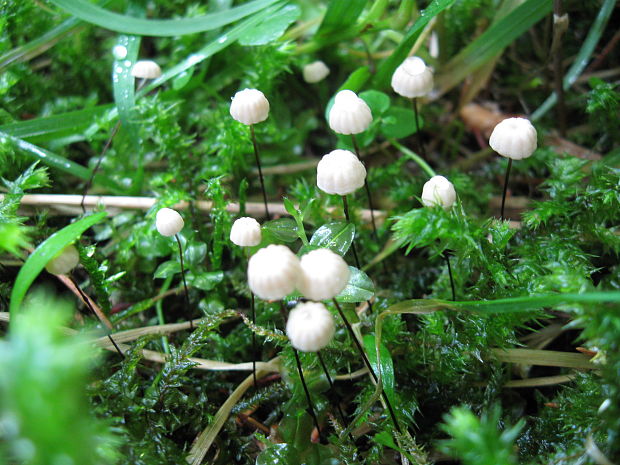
[385,71]
[44,253]
[340,15]
[158,27]
[491,43]
[56,161]
[582,58]
[55,126]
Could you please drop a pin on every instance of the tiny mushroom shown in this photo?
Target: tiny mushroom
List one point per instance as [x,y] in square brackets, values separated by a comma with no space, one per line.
[146,69]
[324,274]
[514,138]
[249,106]
[273,272]
[245,232]
[310,327]
[340,172]
[438,191]
[349,114]
[67,259]
[315,72]
[412,78]
[168,222]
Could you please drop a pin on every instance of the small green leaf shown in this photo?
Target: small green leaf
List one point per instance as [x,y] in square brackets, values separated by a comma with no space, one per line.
[359,288]
[385,367]
[335,236]
[182,79]
[195,253]
[283,229]
[205,281]
[279,454]
[44,253]
[399,122]
[377,101]
[272,28]
[340,15]
[169,268]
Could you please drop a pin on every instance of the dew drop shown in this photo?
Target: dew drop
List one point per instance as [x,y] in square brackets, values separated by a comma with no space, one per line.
[119,52]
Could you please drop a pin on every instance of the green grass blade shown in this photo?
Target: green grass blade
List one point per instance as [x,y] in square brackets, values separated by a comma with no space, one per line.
[55,126]
[340,15]
[491,42]
[385,71]
[158,27]
[582,58]
[44,253]
[56,161]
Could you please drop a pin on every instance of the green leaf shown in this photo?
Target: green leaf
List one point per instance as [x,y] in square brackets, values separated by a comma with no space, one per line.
[159,27]
[399,122]
[336,236]
[283,229]
[169,268]
[377,101]
[492,42]
[272,28]
[387,68]
[205,281]
[385,367]
[359,288]
[44,253]
[339,16]
[279,454]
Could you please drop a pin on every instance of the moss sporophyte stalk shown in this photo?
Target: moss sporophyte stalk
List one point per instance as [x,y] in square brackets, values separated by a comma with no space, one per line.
[299,246]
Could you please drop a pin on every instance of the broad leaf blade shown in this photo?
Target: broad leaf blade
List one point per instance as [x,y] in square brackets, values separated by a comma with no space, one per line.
[336,236]
[385,366]
[359,289]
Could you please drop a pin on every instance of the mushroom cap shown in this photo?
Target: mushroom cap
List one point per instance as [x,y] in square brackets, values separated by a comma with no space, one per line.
[340,172]
[315,72]
[67,259]
[310,327]
[349,114]
[168,222]
[324,274]
[412,78]
[514,138]
[146,69]
[249,106]
[245,232]
[273,272]
[438,191]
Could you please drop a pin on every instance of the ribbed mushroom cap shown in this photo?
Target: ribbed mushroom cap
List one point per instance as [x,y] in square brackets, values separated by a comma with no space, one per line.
[340,172]
[315,72]
[64,262]
[349,114]
[514,138]
[168,222]
[412,78]
[310,327]
[249,106]
[245,232]
[438,191]
[273,272]
[146,69]
[324,274]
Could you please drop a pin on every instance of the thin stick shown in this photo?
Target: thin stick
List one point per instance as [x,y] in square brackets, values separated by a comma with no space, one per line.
[253,310]
[367,363]
[505,188]
[308,399]
[368,194]
[260,171]
[189,312]
[333,389]
[447,258]
[417,128]
[96,168]
[559,26]
[87,302]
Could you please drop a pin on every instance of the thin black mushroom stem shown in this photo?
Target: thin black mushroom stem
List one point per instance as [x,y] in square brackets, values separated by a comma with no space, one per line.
[260,171]
[345,423]
[360,349]
[446,257]
[253,315]
[86,301]
[189,315]
[421,147]
[367,188]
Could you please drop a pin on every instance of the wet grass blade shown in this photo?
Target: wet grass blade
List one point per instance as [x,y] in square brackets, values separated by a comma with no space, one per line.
[582,58]
[158,27]
[491,43]
[44,253]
